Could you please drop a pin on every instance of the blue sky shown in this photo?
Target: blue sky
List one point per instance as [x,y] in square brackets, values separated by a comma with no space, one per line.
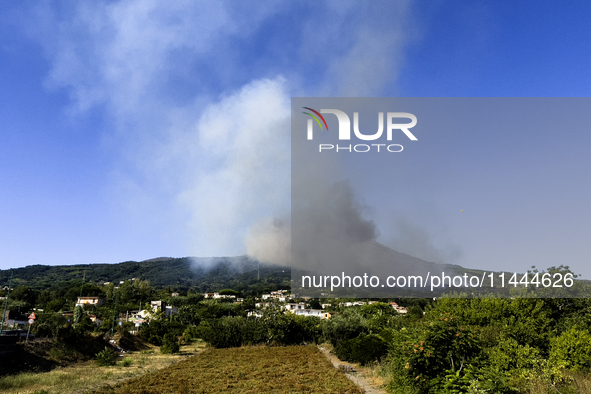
[132,130]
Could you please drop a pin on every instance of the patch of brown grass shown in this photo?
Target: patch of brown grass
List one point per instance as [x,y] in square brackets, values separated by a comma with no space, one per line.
[373,374]
[87,376]
[291,369]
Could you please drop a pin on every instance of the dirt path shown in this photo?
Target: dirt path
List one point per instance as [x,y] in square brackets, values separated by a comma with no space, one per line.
[354,376]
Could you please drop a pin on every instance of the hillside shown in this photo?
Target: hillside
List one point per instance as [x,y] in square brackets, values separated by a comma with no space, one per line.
[241,273]
[202,273]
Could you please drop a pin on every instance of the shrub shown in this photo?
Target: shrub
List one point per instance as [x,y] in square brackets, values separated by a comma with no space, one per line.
[43,330]
[127,361]
[105,358]
[348,325]
[369,348]
[170,344]
[415,312]
[156,329]
[155,340]
[56,353]
[273,328]
[510,367]
[572,349]
[364,349]
[344,350]
[190,333]
[222,333]
[424,357]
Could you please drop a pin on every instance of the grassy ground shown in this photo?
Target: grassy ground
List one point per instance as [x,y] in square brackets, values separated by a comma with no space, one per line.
[87,376]
[291,369]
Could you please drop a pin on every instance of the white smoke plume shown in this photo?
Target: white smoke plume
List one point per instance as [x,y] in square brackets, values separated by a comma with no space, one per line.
[269,241]
[247,136]
[209,172]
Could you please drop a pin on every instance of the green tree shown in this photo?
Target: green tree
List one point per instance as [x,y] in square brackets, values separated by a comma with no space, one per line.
[350,324]
[229,292]
[170,344]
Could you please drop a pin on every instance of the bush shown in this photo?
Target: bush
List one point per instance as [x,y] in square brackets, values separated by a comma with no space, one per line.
[156,329]
[170,344]
[572,349]
[273,328]
[344,350]
[510,367]
[350,324]
[415,312]
[105,358]
[364,349]
[223,333]
[191,333]
[43,330]
[127,361]
[56,353]
[379,315]
[425,357]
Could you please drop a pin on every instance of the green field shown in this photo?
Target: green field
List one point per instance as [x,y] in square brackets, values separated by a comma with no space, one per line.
[289,369]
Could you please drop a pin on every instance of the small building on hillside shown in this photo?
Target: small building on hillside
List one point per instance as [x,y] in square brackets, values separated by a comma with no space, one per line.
[170,310]
[157,305]
[313,312]
[217,295]
[292,306]
[398,308]
[83,301]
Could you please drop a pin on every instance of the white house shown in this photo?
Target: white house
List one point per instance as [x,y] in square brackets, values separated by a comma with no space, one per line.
[292,306]
[348,304]
[217,295]
[313,312]
[82,301]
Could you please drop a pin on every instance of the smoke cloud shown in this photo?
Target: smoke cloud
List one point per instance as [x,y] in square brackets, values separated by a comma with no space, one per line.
[419,242]
[246,175]
[269,241]
[199,116]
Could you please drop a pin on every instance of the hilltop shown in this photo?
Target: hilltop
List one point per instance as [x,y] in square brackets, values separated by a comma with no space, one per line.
[186,272]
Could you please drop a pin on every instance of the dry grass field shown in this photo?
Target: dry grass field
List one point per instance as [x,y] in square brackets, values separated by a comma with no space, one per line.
[291,369]
[87,376]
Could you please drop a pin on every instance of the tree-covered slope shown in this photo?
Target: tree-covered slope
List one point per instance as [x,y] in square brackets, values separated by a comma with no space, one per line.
[202,273]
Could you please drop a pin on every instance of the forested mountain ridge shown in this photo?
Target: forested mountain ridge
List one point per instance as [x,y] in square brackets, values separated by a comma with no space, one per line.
[186,272]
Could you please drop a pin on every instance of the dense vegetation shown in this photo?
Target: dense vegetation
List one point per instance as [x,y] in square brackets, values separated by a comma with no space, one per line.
[448,345]
[200,274]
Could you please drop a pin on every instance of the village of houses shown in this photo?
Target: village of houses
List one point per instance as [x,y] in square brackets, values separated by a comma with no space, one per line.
[278,299]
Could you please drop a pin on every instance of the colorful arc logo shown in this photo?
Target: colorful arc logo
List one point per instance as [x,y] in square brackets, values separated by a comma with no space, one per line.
[315,118]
